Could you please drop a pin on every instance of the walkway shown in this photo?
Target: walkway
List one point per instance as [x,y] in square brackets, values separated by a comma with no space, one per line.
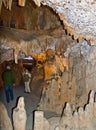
[31,102]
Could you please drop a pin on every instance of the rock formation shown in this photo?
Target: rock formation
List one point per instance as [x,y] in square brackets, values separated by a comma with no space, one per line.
[66,54]
[5,122]
[78,17]
[82,118]
[69,79]
[19,115]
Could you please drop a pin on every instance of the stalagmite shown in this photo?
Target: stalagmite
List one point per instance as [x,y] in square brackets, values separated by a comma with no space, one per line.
[76,120]
[91,99]
[82,123]
[39,122]
[81,119]
[94,109]
[89,116]
[67,118]
[5,123]
[46,124]
[68,110]
[19,115]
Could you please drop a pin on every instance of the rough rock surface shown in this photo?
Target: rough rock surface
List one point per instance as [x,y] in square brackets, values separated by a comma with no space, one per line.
[5,123]
[68,77]
[15,44]
[78,16]
[19,115]
[82,118]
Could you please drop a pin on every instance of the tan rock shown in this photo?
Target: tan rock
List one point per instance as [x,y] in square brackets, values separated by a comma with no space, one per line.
[5,122]
[19,115]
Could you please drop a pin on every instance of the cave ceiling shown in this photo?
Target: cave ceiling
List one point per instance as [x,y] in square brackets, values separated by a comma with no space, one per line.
[78,18]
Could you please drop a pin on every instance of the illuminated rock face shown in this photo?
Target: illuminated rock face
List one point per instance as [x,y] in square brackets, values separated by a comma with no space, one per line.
[69,82]
[60,84]
[14,45]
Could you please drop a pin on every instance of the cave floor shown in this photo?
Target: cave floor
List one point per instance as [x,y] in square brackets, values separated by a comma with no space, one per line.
[31,102]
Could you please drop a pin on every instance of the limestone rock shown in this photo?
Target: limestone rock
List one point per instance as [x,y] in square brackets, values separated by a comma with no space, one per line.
[82,118]
[5,122]
[19,115]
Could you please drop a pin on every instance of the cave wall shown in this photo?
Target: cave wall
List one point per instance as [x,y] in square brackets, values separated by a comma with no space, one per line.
[1,70]
[76,82]
[29,17]
[82,118]
[75,61]
[72,83]
[37,43]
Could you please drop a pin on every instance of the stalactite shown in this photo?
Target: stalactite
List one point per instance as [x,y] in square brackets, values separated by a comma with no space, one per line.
[37,2]
[21,2]
[4,2]
[7,4]
[16,52]
[0,5]
[16,58]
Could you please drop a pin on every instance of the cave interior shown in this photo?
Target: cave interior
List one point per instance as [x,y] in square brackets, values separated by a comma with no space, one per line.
[60,60]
